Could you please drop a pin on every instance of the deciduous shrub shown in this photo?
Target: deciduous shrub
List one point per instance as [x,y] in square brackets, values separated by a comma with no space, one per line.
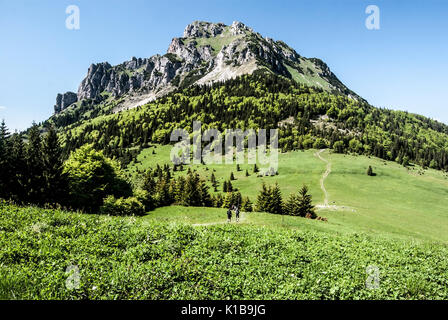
[122,206]
[92,176]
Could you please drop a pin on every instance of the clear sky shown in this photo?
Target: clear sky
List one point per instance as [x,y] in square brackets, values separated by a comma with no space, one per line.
[401,66]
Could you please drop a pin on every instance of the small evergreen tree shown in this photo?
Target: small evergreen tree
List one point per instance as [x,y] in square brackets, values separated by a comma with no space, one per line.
[305,202]
[225,187]
[269,199]
[276,205]
[55,187]
[6,175]
[229,186]
[292,205]
[218,200]
[256,168]
[206,199]
[214,182]
[246,205]
[34,177]
[18,167]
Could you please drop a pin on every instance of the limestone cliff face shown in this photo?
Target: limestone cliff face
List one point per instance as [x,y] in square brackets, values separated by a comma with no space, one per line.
[206,53]
[64,100]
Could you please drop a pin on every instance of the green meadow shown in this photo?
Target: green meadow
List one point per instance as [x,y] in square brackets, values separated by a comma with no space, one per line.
[394,223]
[398,202]
[53,254]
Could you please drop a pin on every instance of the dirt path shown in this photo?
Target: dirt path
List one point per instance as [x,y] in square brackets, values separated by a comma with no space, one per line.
[324,176]
[326,204]
[242,218]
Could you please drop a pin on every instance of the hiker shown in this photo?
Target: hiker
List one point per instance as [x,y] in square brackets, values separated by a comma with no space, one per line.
[237,214]
[229,215]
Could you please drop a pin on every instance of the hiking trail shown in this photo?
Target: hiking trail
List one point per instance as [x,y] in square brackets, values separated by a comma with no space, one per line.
[242,218]
[327,172]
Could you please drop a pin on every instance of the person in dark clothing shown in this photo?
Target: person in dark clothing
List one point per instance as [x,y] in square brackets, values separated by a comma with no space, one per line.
[237,214]
[229,215]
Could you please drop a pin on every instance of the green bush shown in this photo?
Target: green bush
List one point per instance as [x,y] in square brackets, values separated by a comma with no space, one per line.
[92,176]
[122,206]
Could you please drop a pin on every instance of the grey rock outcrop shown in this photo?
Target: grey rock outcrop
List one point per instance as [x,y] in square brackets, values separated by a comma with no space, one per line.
[200,29]
[64,100]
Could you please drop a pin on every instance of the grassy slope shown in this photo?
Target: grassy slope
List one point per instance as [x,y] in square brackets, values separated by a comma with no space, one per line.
[128,258]
[398,202]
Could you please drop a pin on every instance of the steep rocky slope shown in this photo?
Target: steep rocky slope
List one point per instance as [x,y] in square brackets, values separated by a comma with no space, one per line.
[206,53]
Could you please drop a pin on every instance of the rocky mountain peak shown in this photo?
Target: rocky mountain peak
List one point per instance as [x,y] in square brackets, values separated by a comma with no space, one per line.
[202,29]
[239,28]
[206,53]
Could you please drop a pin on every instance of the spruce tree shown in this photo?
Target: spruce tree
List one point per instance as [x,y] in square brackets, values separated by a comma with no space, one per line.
[218,200]
[206,199]
[214,182]
[292,205]
[192,193]
[224,186]
[5,172]
[305,202]
[35,180]
[149,183]
[262,198]
[229,186]
[276,204]
[256,168]
[55,186]
[18,168]
[246,205]
[180,186]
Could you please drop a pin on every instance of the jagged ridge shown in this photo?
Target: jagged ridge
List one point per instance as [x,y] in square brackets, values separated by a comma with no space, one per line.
[207,52]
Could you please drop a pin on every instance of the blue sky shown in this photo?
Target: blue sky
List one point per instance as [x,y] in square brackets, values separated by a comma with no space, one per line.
[401,66]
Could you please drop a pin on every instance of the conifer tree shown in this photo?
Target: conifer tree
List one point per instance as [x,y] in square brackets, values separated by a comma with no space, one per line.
[292,205]
[55,187]
[229,186]
[206,199]
[276,204]
[262,198]
[192,194]
[224,186]
[246,205]
[18,167]
[256,168]
[270,199]
[5,171]
[214,182]
[218,200]
[180,188]
[35,181]
[305,203]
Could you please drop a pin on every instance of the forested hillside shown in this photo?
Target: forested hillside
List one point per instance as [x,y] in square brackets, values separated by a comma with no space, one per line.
[307,117]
